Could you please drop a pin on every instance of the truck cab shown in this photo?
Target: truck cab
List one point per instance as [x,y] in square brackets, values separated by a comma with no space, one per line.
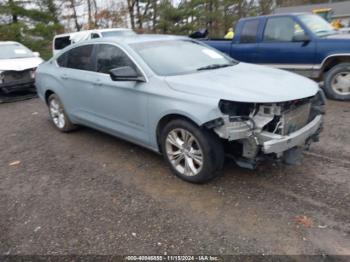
[300,42]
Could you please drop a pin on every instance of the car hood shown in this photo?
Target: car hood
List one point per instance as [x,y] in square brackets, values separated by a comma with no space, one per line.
[19,64]
[245,83]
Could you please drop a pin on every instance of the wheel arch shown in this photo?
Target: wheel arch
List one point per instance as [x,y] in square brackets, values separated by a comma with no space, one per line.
[48,92]
[333,60]
[170,117]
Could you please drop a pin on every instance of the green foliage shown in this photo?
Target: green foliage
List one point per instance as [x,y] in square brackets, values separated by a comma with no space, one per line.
[11,32]
[34,27]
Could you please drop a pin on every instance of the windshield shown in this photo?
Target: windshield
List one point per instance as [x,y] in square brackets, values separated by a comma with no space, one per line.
[167,58]
[118,33]
[317,25]
[10,51]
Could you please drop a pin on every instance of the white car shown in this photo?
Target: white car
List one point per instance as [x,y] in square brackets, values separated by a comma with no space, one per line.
[17,66]
[61,41]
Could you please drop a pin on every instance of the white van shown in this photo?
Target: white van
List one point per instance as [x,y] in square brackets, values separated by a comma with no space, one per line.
[61,41]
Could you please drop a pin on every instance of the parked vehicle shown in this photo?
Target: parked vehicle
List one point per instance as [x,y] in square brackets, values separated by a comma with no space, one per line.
[303,43]
[17,67]
[61,41]
[183,99]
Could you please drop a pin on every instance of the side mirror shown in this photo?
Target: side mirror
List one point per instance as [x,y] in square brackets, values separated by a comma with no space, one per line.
[301,38]
[36,54]
[125,73]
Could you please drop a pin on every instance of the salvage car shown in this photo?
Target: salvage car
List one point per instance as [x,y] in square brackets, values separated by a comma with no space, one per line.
[183,99]
[17,67]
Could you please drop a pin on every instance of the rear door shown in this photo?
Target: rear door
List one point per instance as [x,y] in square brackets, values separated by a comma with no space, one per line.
[245,48]
[283,44]
[77,79]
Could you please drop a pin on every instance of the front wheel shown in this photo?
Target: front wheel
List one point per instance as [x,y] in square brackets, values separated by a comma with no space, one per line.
[193,154]
[337,82]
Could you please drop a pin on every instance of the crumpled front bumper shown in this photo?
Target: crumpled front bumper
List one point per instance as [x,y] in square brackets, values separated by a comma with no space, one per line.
[273,143]
[16,85]
[258,142]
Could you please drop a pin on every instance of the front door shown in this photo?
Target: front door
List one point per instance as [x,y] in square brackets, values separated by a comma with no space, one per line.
[119,106]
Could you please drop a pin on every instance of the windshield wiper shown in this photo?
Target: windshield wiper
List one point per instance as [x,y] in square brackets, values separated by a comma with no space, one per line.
[213,66]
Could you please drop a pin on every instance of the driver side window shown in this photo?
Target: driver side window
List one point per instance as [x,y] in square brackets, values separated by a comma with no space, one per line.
[109,57]
[282,29]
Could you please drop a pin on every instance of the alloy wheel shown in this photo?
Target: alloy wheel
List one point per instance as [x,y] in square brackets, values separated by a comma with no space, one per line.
[184,152]
[57,115]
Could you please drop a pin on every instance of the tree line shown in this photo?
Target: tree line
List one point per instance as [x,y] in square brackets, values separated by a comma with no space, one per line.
[34,23]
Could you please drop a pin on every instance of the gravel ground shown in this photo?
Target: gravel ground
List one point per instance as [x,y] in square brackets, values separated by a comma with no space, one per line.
[89,193]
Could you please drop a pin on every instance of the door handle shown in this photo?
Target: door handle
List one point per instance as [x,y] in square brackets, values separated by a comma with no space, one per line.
[64,76]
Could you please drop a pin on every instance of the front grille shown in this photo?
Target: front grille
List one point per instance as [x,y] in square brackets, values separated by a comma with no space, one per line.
[295,118]
[12,76]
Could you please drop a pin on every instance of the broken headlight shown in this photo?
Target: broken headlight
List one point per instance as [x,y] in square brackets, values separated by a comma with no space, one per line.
[236,108]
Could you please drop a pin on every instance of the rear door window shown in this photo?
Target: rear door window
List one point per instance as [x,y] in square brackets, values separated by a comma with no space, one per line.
[80,57]
[62,60]
[249,31]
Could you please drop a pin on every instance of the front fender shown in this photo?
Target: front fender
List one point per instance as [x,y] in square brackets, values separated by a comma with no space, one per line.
[198,111]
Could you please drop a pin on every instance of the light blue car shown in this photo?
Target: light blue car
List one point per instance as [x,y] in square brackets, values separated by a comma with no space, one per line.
[183,99]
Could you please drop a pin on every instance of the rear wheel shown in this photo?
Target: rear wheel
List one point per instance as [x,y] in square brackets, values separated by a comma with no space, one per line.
[337,82]
[193,154]
[58,115]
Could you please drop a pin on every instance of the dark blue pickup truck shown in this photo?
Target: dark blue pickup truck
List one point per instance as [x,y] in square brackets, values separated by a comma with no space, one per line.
[303,43]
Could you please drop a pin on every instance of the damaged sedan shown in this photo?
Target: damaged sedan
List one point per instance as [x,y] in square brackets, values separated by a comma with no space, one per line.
[17,67]
[183,99]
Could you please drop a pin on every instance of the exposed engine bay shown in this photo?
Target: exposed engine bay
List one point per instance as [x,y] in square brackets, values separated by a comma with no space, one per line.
[278,130]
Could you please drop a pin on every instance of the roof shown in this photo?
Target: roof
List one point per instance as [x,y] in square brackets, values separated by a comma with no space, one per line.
[339,8]
[8,42]
[83,32]
[139,38]
[272,15]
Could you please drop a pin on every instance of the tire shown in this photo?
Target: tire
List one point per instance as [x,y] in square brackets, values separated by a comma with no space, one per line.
[333,87]
[58,115]
[197,161]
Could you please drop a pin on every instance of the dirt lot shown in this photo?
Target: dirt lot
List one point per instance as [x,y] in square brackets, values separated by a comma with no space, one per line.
[90,193]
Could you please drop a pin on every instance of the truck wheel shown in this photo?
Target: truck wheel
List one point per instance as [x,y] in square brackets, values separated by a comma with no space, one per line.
[58,115]
[337,82]
[193,154]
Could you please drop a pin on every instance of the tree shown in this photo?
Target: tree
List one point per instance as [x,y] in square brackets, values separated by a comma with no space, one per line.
[34,26]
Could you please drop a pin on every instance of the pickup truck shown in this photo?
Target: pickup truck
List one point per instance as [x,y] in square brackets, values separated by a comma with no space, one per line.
[300,42]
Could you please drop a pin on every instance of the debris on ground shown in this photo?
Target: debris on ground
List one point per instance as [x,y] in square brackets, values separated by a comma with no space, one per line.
[14,163]
[304,220]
